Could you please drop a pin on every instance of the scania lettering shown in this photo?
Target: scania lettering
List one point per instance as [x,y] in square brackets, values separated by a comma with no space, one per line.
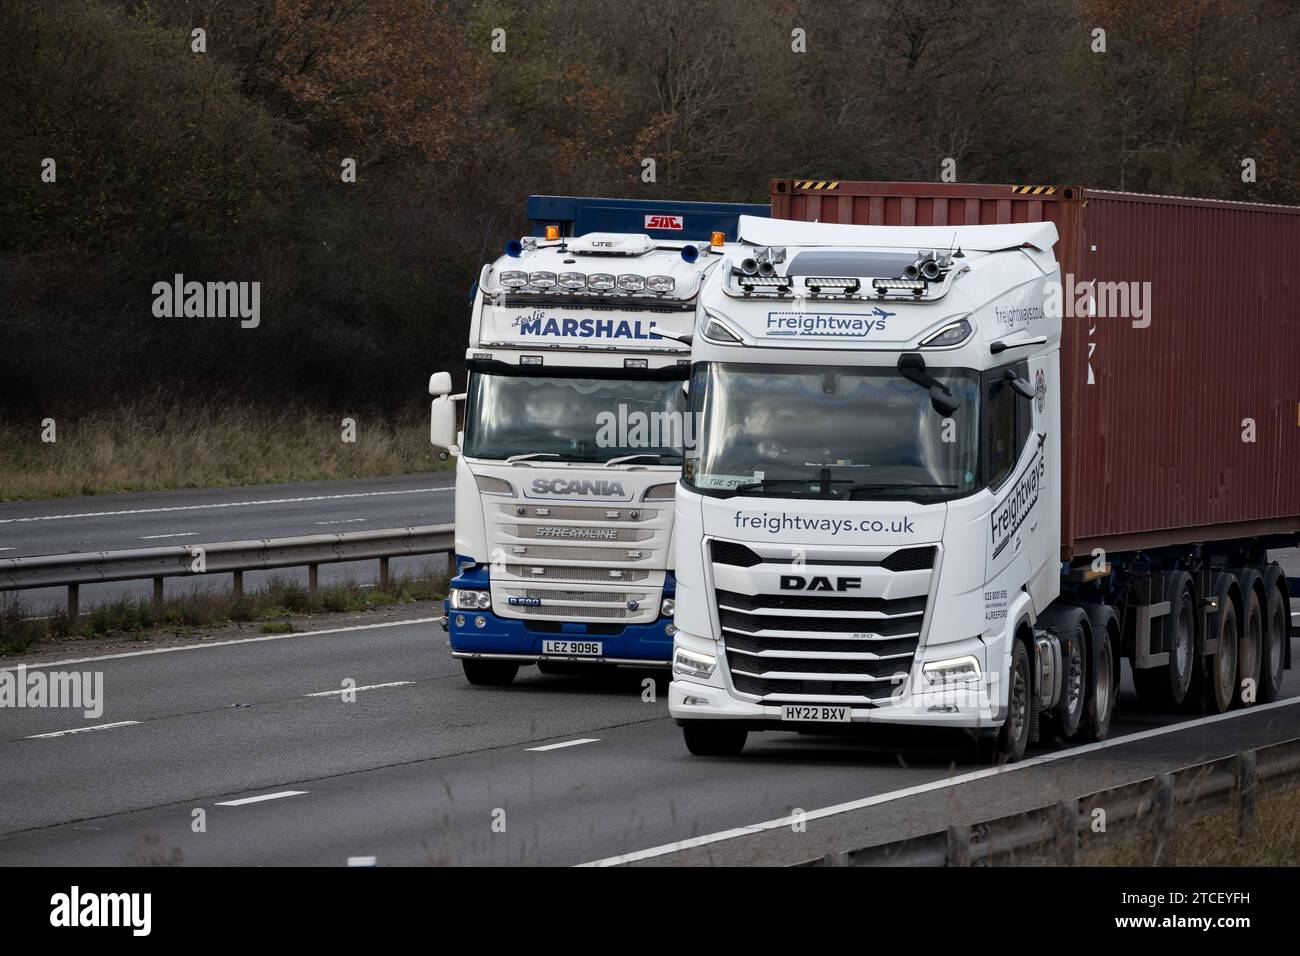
[564,529]
[891,519]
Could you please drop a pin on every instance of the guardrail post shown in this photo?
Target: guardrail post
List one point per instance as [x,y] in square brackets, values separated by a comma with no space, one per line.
[73,602]
[313,579]
[1247,774]
[958,846]
[383,574]
[1067,832]
[237,585]
[1162,808]
[158,595]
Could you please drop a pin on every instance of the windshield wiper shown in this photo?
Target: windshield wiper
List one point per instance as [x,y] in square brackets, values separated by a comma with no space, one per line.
[531,454]
[886,485]
[645,454]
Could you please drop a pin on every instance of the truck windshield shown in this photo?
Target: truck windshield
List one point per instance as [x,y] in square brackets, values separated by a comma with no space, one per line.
[849,432]
[574,419]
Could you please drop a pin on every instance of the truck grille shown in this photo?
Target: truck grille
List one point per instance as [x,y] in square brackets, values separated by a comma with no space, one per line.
[802,647]
[555,572]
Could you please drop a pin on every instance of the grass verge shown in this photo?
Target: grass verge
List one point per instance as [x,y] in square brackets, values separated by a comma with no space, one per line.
[151,445]
[271,605]
[1213,841]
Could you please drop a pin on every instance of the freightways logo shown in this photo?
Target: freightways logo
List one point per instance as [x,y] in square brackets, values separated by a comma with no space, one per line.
[1007,517]
[74,909]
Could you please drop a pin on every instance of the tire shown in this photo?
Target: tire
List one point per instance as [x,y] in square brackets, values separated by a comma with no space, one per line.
[708,739]
[1273,657]
[1103,689]
[490,673]
[1011,741]
[1250,647]
[1065,720]
[1221,671]
[1166,687]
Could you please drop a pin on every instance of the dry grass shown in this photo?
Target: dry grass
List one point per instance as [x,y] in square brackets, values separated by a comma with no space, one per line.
[1212,841]
[271,605]
[153,445]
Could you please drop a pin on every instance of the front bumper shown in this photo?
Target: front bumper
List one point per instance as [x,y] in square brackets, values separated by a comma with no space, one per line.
[502,638]
[965,706]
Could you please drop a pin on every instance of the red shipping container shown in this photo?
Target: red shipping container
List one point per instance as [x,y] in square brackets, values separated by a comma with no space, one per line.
[1156,414]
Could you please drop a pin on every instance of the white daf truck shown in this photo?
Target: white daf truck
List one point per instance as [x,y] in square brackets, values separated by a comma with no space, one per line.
[570,451]
[869,525]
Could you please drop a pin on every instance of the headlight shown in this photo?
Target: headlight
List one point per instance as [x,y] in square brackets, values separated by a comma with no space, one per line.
[514,279]
[631,283]
[463,599]
[948,336]
[572,280]
[667,607]
[689,664]
[959,670]
[660,283]
[541,280]
[600,281]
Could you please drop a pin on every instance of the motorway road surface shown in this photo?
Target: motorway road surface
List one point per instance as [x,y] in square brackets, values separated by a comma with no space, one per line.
[197,516]
[424,768]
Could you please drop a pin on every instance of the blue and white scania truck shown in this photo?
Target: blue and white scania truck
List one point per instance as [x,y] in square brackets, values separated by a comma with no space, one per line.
[571,446]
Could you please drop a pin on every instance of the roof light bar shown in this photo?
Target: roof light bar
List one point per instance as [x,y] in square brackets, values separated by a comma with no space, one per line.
[817,283]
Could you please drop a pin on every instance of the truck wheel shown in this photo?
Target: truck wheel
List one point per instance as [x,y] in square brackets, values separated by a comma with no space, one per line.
[1273,658]
[704,738]
[1221,672]
[1103,694]
[1068,715]
[1165,687]
[1011,741]
[490,673]
[1249,647]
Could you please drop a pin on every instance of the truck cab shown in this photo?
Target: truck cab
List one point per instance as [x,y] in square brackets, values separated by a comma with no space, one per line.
[571,447]
[870,514]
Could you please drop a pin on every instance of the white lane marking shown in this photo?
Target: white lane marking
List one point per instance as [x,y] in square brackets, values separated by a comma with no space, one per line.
[344,521]
[82,730]
[362,861]
[9,549]
[353,690]
[224,504]
[265,796]
[567,743]
[932,786]
[179,534]
[238,640]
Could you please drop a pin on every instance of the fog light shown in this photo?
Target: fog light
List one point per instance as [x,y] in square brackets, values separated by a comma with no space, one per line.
[695,701]
[689,664]
[460,620]
[667,608]
[959,670]
[670,629]
[480,621]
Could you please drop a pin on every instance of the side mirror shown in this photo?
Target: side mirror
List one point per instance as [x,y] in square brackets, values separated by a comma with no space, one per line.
[440,384]
[1019,385]
[942,402]
[442,424]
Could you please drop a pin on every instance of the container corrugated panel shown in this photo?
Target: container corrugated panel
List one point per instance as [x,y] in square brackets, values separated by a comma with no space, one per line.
[1155,414]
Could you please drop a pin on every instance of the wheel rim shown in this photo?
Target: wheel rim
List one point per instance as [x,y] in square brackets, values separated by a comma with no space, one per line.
[1225,665]
[1074,692]
[1103,684]
[1275,644]
[1183,649]
[1019,703]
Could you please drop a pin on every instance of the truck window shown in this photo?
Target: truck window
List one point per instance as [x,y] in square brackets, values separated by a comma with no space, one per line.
[1009,422]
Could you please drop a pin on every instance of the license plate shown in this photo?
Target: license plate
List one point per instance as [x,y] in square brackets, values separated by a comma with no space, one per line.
[817,712]
[573,648]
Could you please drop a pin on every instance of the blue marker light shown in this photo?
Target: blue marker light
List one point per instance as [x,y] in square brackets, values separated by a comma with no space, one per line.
[514,248]
[690,253]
